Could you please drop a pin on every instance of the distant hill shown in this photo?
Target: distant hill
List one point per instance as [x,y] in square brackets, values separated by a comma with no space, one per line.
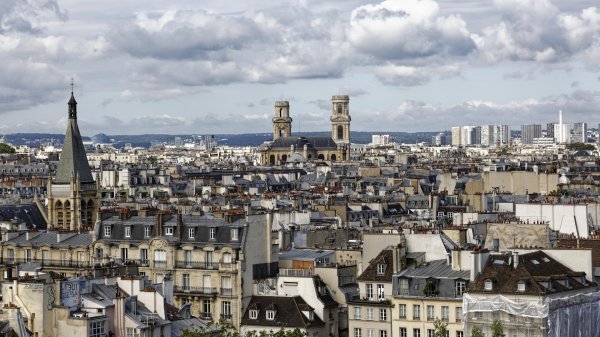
[245,139]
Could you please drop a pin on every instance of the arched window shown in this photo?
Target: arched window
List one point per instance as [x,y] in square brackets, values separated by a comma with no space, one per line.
[340,132]
[339,108]
[321,156]
[226,257]
[333,157]
[272,159]
[284,158]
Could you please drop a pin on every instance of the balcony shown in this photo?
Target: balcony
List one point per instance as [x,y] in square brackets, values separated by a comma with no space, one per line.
[197,265]
[205,316]
[296,272]
[226,292]
[226,317]
[194,290]
[226,266]
[49,263]
[159,264]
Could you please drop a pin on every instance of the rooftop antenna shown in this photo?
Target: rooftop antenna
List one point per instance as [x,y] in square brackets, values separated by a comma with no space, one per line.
[72,84]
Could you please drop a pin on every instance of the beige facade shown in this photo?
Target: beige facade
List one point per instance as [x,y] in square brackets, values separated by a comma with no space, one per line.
[410,315]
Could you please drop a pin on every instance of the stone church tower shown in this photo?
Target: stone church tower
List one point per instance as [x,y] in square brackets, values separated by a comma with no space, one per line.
[282,122]
[72,193]
[340,119]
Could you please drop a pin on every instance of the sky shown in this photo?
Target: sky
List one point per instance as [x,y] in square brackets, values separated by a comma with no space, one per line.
[213,66]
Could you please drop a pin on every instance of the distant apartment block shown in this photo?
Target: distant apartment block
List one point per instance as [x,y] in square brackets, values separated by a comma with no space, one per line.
[529,132]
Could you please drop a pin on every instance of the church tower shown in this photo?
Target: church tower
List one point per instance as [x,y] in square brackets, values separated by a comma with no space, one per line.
[72,193]
[282,122]
[340,119]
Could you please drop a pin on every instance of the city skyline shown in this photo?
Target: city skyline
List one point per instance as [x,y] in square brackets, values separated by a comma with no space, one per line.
[182,68]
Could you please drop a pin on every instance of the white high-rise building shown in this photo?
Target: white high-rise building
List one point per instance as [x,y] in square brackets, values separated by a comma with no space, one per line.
[579,133]
[562,131]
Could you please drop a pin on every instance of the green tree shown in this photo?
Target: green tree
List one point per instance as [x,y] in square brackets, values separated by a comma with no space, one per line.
[476,332]
[440,328]
[497,330]
[225,329]
[580,146]
[5,148]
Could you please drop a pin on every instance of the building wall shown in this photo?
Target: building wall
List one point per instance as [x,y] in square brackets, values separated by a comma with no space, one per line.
[511,235]
[560,217]
[409,323]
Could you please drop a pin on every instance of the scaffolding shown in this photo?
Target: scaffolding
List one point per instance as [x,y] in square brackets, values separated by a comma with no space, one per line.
[573,316]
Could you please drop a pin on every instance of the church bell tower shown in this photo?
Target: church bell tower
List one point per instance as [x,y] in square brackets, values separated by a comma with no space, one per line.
[282,122]
[340,119]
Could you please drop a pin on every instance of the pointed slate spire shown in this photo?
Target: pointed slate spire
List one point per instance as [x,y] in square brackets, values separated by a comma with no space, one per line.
[73,160]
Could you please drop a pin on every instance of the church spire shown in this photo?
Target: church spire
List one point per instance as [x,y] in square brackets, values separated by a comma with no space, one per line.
[72,104]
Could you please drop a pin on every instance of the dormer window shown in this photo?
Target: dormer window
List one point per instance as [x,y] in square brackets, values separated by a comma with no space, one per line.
[127,231]
[253,314]
[147,231]
[521,286]
[234,234]
[381,269]
[311,315]
[168,230]
[191,232]
[270,315]
[212,233]
[488,285]
[107,231]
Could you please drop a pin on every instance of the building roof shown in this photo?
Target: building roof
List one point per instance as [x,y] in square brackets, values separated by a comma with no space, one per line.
[386,258]
[434,269]
[541,274]
[73,160]
[316,143]
[67,239]
[288,312]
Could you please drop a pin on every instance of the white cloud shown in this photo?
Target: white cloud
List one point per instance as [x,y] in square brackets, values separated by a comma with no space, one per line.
[408,29]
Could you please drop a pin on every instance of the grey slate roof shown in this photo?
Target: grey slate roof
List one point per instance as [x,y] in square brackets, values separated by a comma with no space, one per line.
[299,142]
[73,160]
[435,269]
[51,239]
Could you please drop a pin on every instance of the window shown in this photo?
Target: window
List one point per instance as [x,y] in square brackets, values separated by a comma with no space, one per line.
[205,309]
[97,329]
[212,233]
[133,332]
[191,232]
[253,314]
[107,231]
[430,289]
[370,333]
[127,231]
[147,231]
[430,313]
[234,234]
[416,332]
[461,286]
[168,230]
[187,258]
[380,269]
[124,255]
[27,255]
[160,258]
[488,285]
[226,310]
[403,332]
[369,314]
[227,258]
[458,314]
[99,253]
[380,292]
[416,312]
[369,288]
[460,334]
[402,310]
[186,282]
[383,314]
[357,332]
[430,333]
[403,286]
[445,313]
[356,312]
[521,286]
[144,257]
[10,255]
[382,333]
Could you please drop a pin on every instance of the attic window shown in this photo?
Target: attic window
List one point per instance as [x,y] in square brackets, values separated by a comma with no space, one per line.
[488,285]
[521,286]
[168,230]
[545,259]
[253,314]
[535,261]
[270,315]
[381,269]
